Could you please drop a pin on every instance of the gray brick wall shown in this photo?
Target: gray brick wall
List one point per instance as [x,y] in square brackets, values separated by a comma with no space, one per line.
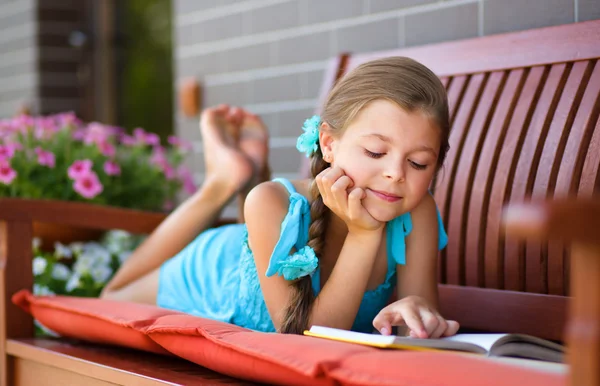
[18,71]
[270,55]
[37,65]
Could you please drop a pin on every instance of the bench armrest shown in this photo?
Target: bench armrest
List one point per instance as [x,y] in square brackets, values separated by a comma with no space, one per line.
[577,222]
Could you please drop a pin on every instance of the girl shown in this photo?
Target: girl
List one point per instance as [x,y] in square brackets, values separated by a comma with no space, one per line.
[327,250]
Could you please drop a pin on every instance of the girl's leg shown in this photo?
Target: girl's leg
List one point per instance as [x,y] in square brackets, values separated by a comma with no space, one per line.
[254,143]
[227,171]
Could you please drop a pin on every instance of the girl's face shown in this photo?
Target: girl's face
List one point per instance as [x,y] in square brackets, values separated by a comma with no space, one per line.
[390,153]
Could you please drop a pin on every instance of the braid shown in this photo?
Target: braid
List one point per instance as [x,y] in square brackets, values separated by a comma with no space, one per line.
[298,313]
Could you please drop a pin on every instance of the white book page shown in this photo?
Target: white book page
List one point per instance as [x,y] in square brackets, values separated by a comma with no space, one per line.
[483,340]
[354,336]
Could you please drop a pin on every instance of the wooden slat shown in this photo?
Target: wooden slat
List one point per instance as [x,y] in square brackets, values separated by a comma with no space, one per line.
[590,180]
[524,176]
[445,185]
[509,154]
[455,95]
[541,46]
[478,308]
[536,262]
[117,365]
[569,174]
[79,214]
[477,219]
[463,182]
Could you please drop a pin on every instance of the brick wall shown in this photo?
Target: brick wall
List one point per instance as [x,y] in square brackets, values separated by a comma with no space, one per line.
[18,55]
[270,55]
[38,67]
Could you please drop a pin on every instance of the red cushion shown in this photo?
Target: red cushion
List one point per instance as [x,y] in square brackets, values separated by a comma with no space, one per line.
[265,357]
[95,320]
[395,367]
[256,356]
[293,359]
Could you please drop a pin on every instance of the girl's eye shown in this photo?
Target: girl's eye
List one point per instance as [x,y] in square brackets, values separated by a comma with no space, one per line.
[373,155]
[417,166]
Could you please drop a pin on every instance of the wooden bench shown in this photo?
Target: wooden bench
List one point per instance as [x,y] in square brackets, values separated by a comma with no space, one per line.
[525,123]
[524,112]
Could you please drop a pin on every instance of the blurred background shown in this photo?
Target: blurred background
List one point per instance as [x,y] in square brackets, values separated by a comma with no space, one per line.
[121,62]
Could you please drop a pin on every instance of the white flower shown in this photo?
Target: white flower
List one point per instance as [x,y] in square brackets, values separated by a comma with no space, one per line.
[124,256]
[42,290]
[83,264]
[73,282]
[36,243]
[61,251]
[101,273]
[118,240]
[39,265]
[98,253]
[76,247]
[60,272]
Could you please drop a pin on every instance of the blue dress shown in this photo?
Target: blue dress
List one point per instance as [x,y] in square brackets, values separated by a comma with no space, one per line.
[215,275]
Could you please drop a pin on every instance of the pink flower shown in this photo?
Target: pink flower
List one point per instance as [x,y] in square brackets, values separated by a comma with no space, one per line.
[112,168]
[152,139]
[45,128]
[168,205]
[159,157]
[169,172]
[88,185]
[78,135]
[187,179]
[7,174]
[180,143]
[80,168]
[128,140]
[146,138]
[45,158]
[139,134]
[107,148]
[67,119]
[7,152]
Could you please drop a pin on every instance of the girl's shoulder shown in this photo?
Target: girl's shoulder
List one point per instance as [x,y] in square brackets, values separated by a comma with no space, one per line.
[271,199]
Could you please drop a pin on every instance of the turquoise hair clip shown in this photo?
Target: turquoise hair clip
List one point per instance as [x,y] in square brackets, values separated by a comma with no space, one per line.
[308,142]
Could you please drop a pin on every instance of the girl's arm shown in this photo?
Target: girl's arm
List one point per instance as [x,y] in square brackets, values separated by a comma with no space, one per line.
[417,307]
[339,300]
[418,277]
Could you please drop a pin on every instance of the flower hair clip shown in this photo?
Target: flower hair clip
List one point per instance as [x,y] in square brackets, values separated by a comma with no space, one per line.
[308,142]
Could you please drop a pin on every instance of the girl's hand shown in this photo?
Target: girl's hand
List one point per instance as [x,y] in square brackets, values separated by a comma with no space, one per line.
[414,312]
[340,195]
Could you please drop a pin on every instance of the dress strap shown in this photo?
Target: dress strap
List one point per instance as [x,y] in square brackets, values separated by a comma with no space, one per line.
[288,185]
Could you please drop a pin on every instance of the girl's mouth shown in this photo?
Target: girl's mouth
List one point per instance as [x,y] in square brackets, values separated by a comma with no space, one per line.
[388,197]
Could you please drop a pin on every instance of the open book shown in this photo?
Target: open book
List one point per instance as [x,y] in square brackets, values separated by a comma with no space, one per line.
[500,345]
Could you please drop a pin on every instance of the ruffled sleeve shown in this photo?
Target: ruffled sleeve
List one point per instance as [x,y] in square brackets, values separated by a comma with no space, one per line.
[294,234]
[400,227]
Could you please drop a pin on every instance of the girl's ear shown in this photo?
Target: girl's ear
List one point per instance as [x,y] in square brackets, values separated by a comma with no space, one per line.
[326,142]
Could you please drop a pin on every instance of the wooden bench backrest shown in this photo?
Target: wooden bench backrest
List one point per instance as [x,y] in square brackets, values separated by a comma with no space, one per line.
[524,112]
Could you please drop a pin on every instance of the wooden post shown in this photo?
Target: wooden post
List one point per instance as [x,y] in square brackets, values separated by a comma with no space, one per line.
[583,329]
[15,274]
[105,83]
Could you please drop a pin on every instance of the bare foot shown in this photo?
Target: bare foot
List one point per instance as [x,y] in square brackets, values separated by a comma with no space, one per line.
[226,165]
[254,143]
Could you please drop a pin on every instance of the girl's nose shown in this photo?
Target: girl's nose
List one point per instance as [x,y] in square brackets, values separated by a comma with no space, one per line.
[395,172]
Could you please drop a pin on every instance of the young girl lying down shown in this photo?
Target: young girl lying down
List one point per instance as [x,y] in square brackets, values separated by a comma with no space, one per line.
[328,250]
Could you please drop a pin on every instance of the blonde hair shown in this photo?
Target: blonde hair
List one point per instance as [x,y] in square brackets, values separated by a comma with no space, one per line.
[401,80]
